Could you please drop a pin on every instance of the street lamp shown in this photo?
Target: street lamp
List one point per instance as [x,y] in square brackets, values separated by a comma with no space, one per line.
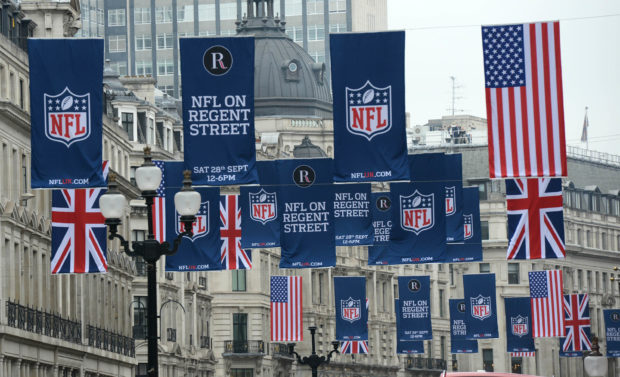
[595,364]
[314,360]
[187,204]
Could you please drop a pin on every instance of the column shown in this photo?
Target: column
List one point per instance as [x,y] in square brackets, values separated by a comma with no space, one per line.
[2,366]
[18,368]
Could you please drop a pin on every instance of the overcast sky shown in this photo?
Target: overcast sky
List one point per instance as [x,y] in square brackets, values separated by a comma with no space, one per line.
[443,40]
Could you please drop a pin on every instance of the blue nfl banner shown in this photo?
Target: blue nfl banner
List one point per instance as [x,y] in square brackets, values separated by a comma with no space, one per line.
[306,197]
[519,324]
[218,110]
[470,250]
[480,306]
[612,331]
[66,106]
[369,106]
[415,308]
[202,251]
[453,182]
[406,347]
[381,210]
[458,328]
[351,311]
[353,220]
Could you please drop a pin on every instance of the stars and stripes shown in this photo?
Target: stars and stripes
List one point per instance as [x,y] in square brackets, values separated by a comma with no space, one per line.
[523,354]
[354,347]
[78,230]
[547,303]
[535,218]
[286,309]
[233,257]
[525,110]
[159,206]
[577,322]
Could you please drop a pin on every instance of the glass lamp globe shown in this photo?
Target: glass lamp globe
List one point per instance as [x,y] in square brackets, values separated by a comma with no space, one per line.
[148,178]
[187,203]
[112,205]
[595,366]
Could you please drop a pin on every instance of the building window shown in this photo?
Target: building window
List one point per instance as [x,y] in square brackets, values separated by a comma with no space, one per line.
[484,268]
[127,124]
[296,33]
[337,6]
[120,67]
[165,67]
[321,288]
[241,372]
[240,328]
[117,43]
[484,230]
[441,313]
[163,15]
[337,28]
[168,89]
[164,41]
[293,8]
[314,7]
[228,11]
[143,42]
[579,278]
[442,344]
[116,17]
[516,365]
[24,173]
[142,15]
[589,277]
[588,238]
[451,268]
[318,56]
[139,317]
[185,13]
[487,360]
[316,33]
[603,240]
[513,273]
[238,280]
[579,237]
[144,68]
[206,12]
[141,370]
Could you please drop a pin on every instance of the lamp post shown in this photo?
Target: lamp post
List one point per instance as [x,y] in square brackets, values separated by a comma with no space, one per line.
[595,363]
[314,360]
[187,204]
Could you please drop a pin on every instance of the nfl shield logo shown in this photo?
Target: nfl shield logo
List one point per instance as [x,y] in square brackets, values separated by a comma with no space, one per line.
[200,227]
[67,117]
[450,206]
[369,110]
[480,307]
[350,309]
[263,207]
[416,212]
[468,226]
[519,325]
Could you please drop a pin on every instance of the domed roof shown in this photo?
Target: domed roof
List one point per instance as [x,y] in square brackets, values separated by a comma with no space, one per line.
[287,81]
[308,150]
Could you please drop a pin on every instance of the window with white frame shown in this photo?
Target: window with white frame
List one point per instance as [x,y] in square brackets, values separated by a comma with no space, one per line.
[142,16]
[143,42]
[337,28]
[318,56]
[316,33]
[165,67]
[185,13]
[144,67]
[116,17]
[314,7]
[163,15]
[296,33]
[117,43]
[120,67]
[337,6]
[228,11]
[206,12]
[164,41]
[293,8]
[168,89]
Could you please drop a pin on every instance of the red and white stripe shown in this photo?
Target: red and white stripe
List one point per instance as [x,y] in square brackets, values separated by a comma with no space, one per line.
[159,218]
[526,123]
[548,313]
[287,317]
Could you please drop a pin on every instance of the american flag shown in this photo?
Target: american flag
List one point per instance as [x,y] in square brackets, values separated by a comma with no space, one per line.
[547,303]
[525,110]
[78,230]
[577,322]
[535,218]
[159,206]
[355,346]
[523,354]
[233,257]
[286,309]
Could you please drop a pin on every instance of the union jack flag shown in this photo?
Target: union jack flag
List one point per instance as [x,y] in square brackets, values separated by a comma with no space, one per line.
[355,346]
[159,206]
[535,218]
[577,323]
[78,230]
[233,257]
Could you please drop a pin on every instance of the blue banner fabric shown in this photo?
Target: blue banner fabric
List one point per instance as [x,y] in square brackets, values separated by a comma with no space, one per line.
[415,307]
[480,305]
[218,109]
[470,250]
[519,324]
[405,346]
[370,143]
[306,197]
[458,328]
[351,311]
[260,214]
[201,252]
[612,331]
[453,182]
[66,81]
[381,209]
[568,353]
[353,223]
[419,231]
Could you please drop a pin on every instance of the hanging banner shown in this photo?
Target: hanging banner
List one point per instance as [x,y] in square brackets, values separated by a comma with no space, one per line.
[65,112]
[381,209]
[407,347]
[470,250]
[480,306]
[353,220]
[200,252]
[519,324]
[568,353]
[369,106]
[306,197]
[259,209]
[218,110]
[458,329]
[612,332]
[415,307]
[351,310]
[453,182]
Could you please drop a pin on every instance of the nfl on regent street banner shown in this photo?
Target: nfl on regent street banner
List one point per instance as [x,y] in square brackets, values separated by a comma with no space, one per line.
[66,105]
[519,324]
[260,214]
[415,307]
[218,110]
[351,311]
[470,250]
[458,328]
[368,82]
[202,251]
[353,224]
[612,331]
[306,197]
[480,306]
[405,346]
[453,182]
[381,210]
